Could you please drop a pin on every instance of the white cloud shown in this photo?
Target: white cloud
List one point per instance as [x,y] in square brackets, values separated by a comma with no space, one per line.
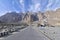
[54,3]
[35,1]
[13,3]
[49,3]
[35,6]
[31,8]
[22,5]
[22,2]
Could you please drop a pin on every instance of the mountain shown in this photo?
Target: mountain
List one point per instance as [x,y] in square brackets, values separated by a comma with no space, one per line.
[11,17]
[53,17]
[30,17]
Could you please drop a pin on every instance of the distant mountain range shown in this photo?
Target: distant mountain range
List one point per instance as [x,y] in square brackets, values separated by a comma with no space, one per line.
[13,17]
[52,17]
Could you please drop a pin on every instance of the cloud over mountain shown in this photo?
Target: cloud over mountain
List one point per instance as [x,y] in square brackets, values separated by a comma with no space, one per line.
[53,4]
[28,5]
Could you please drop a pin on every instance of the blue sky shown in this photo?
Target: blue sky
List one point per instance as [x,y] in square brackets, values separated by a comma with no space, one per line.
[28,5]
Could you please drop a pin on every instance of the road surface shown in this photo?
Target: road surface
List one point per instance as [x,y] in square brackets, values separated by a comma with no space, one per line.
[28,34]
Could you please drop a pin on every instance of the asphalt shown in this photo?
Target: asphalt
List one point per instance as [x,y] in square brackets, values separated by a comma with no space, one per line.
[27,34]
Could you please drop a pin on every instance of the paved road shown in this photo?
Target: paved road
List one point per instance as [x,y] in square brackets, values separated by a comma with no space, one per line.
[28,34]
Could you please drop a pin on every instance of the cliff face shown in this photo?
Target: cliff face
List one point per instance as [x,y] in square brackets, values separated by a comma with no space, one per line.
[49,17]
[40,18]
[27,18]
[53,17]
[30,17]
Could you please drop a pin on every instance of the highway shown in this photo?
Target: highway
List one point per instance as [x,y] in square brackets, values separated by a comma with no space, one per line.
[28,33]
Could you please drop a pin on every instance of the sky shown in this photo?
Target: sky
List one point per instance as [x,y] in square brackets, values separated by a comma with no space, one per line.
[28,5]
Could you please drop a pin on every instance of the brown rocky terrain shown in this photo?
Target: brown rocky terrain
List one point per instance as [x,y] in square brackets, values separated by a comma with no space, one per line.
[53,17]
[48,17]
